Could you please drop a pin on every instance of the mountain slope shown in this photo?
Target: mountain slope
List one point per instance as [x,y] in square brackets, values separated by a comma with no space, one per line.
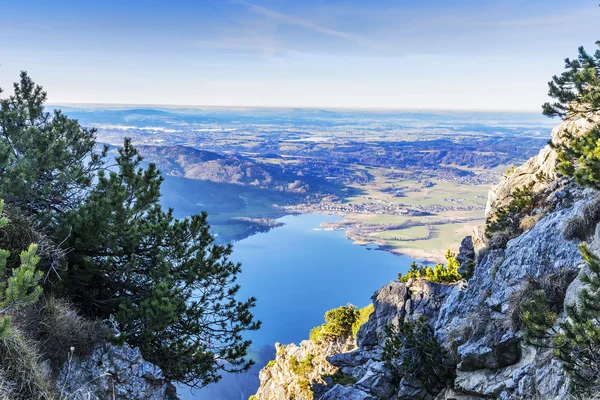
[476,322]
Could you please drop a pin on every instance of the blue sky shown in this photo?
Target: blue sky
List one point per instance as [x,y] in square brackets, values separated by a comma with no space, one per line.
[431,54]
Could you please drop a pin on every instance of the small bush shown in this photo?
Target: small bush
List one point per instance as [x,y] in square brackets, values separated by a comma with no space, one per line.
[280,350]
[499,239]
[339,323]
[583,226]
[554,286]
[341,379]
[363,316]
[302,368]
[505,223]
[19,233]
[529,221]
[577,341]
[574,228]
[411,351]
[304,385]
[439,273]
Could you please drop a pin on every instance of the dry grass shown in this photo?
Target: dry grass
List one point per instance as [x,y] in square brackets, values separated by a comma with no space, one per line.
[574,228]
[57,327]
[23,367]
[7,388]
[499,239]
[529,221]
[554,286]
[473,327]
[582,226]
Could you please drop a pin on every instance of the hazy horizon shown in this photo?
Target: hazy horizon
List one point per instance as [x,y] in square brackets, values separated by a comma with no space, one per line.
[290,107]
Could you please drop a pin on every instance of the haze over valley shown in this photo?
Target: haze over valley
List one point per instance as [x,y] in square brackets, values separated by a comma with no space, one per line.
[409,182]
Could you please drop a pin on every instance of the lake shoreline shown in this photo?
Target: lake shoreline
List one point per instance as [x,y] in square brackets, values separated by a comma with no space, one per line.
[418,255]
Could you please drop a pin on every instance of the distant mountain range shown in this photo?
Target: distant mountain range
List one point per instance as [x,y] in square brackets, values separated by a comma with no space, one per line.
[187,162]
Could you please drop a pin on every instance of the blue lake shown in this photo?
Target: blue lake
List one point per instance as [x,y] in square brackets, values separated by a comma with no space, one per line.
[299,271]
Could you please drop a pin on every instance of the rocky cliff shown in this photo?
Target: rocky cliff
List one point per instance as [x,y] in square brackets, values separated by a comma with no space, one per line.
[476,322]
[113,372]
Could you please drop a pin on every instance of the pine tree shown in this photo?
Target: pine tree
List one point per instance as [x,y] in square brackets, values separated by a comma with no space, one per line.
[577,88]
[412,352]
[47,161]
[576,341]
[170,290]
[580,158]
[439,273]
[20,287]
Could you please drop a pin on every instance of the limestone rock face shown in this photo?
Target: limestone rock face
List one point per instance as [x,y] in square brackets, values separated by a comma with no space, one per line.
[544,162]
[279,380]
[113,372]
[466,255]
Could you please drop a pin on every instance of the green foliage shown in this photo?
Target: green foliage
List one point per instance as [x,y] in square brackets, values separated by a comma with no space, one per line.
[439,273]
[253,397]
[470,270]
[579,157]
[576,342]
[341,322]
[341,379]
[22,287]
[538,301]
[47,161]
[508,218]
[411,351]
[577,88]
[169,288]
[304,385]
[271,363]
[344,380]
[302,368]
[363,316]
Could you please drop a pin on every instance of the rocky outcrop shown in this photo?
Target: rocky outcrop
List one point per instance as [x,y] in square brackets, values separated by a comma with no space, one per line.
[394,302]
[113,372]
[474,321]
[544,163]
[300,372]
